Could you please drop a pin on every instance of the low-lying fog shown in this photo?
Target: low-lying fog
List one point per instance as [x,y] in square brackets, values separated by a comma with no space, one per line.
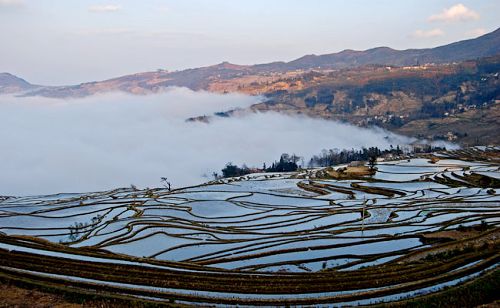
[115,140]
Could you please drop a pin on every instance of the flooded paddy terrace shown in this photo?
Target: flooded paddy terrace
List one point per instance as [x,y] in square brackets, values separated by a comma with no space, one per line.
[416,226]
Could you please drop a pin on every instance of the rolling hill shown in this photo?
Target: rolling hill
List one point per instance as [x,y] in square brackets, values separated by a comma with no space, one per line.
[452,94]
[202,78]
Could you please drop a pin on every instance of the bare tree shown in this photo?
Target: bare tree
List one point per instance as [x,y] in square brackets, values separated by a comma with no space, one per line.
[166,183]
[372,162]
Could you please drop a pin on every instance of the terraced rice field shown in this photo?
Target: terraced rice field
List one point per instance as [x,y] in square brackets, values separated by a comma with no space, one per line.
[415,227]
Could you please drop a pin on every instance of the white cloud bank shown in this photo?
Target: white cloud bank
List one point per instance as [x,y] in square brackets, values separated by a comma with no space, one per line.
[114,140]
[457,12]
[105,8]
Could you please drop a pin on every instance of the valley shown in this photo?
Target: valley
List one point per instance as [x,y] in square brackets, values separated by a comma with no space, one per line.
[448,93]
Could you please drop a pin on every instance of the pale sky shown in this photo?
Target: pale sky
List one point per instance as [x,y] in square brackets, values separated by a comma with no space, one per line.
[56,42]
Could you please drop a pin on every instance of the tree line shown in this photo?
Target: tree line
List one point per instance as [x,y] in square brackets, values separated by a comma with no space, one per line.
[286,163]
[289,163]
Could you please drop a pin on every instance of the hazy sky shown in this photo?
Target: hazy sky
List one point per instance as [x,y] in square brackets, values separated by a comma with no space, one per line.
[60,42]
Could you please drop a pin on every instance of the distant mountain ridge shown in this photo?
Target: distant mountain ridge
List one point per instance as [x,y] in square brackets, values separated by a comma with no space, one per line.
[12,84]
[483,46]
[202,78]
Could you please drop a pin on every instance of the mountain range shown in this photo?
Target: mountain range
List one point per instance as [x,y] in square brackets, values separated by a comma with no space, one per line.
[450,92]
[202,78]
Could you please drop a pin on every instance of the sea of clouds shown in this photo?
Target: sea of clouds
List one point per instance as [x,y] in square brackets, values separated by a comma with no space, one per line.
[114,140]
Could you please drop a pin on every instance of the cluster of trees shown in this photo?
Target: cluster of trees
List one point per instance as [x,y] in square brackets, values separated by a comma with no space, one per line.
[428,149]
[332,157]
[323,96]
[434,110]
[286,163]
[231,170]
[335,157]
